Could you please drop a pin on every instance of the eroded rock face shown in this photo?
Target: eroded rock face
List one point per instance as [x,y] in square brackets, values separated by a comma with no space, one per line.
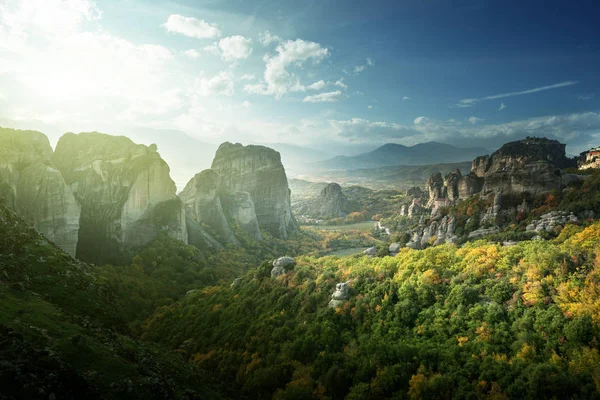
[125,192]
[258,171]
[332,202]
[34,188]
[208,203]
[550,221]
[528,165]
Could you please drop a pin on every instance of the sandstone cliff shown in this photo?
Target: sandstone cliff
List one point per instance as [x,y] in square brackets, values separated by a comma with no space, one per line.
[34,188]
[258,171]
[125,192]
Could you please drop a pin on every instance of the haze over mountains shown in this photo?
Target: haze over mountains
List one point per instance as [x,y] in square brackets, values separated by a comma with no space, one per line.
[392,154]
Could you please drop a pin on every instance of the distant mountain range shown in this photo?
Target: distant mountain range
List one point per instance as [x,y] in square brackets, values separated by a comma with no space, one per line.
[296,157]
[392,154]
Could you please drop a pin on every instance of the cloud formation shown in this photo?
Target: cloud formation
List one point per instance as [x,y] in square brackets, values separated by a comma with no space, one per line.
[319,85]
[191,27]
[277,79]
[221,84]
[580,130]
[329,97]
[357,69]
[191,53]
[472,102]
[235,48]
[265,38]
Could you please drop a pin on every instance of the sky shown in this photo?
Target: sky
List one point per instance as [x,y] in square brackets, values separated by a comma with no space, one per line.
[338,75]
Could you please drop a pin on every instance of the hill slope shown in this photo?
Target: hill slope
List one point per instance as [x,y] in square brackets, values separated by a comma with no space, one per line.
[61,335]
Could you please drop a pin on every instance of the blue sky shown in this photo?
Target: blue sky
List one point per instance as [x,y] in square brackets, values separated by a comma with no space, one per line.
[344,75]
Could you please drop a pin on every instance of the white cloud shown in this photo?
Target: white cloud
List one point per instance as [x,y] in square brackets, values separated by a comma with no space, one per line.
[328,97]
[357,69]
[340,83]
[191,53]
[319,85]
[48,17]
[247,77]
[221,84]
[235,48]
[191,27]
[405,98]
[212,49]
[421,121]
[277,79]
[266,38]
[370,107]
[580,131]
[502,107]
[475,120]
[362,130]
[589,96]
[472,102]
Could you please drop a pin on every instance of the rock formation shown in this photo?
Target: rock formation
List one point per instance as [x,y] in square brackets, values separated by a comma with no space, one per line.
[549,221]
[282,265]
[340,295]
[332,202]
[530,165]
[208,203]
[258,171]
[34,188]
[125,192]
[436,233]
[371,251]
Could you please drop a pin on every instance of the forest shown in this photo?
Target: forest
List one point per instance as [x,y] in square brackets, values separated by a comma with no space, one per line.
[482,321]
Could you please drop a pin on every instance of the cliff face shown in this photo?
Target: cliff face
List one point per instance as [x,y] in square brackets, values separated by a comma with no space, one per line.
[34,188]
[258,171]
[208,203]
[124,190]
[332,201]
[528,165]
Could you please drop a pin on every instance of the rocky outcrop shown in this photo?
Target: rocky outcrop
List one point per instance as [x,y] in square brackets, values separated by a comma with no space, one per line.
[481,232]
[394,248]
[258,171]
[281,266]
[332,202]
[34,188]
[125,192]
[340,295]
[435,188]
[530,165]
[208,204]
[550,221]
[436,233]
[371,251]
